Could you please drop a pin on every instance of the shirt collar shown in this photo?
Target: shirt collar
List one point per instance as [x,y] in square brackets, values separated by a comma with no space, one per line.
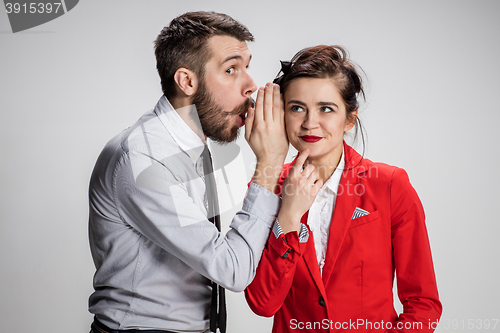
[182,134]
[333,182]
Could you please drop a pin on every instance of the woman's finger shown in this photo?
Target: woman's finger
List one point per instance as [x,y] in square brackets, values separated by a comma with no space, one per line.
[317,185]
[299,162]
[308,171]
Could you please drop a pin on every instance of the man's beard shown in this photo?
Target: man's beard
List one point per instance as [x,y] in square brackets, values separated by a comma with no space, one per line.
[213,119]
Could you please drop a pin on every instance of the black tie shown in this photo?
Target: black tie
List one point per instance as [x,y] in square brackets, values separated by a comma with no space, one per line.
[216,320]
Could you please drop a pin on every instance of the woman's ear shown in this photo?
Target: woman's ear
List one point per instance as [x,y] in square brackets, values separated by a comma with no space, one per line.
[351,120]
[186,80]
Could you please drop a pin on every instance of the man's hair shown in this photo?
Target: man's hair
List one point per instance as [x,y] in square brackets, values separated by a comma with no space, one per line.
[184,43]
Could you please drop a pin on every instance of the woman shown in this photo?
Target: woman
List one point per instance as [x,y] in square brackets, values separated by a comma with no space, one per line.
[331,267]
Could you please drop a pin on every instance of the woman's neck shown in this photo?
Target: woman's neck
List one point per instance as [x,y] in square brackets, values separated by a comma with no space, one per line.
[326,165]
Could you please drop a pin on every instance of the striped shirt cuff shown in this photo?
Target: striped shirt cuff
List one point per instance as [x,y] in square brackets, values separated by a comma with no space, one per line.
[303,234]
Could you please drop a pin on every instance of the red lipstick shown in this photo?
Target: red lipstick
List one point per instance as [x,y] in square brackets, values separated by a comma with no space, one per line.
[310,138]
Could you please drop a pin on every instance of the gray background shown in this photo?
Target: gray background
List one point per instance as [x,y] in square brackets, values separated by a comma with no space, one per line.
[69,85]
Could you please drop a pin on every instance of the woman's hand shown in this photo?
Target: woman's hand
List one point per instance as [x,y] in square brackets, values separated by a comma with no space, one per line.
[299,191]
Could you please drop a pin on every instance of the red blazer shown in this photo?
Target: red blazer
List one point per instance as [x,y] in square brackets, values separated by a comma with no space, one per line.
[355,291]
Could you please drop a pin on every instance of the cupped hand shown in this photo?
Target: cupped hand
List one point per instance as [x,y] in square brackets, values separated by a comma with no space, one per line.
[265,127]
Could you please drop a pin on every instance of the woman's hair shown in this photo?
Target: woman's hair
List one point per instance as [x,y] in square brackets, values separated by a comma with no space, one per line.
[327,62]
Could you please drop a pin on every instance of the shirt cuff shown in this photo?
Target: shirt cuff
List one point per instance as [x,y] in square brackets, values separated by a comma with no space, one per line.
[303,234]
[261,203]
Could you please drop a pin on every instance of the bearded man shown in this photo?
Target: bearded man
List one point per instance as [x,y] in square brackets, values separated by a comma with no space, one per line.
[161,262]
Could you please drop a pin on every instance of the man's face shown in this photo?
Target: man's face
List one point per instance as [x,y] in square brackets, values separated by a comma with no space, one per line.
[223,96]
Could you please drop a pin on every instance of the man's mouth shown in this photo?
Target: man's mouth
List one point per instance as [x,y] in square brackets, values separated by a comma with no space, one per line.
[310,138]
[242,115]
[241,119]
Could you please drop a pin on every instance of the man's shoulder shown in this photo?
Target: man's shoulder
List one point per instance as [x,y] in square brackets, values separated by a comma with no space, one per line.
[147,135]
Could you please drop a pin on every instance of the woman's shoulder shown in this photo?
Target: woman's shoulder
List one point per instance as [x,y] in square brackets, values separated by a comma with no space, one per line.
[383,175]
[380,169]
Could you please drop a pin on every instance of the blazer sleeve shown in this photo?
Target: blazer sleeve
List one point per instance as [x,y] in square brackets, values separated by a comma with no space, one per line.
[417,289]
[275,273]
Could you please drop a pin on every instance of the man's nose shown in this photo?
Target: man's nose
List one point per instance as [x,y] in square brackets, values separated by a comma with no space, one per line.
[250,86]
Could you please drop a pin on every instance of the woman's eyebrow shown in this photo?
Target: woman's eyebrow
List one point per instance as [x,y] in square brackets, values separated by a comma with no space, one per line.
[327,104]
[294,101]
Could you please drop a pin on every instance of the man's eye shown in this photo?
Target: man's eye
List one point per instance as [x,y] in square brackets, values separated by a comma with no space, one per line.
[326,109]
[230,70]
[296,108]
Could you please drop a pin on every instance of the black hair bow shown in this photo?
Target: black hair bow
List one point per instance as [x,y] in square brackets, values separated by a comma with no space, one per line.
[286,67]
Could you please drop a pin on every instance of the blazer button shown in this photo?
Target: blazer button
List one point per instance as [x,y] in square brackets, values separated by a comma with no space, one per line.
[285,255]
[321,301]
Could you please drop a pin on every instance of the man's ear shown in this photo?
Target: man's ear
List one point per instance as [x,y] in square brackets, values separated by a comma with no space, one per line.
[350,123]
[186,80]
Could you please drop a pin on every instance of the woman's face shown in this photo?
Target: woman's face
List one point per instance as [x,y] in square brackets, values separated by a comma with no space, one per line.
[315,118]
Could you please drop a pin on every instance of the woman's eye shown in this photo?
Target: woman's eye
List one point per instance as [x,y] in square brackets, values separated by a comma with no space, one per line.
[326,109]
[296,108]
[230,70]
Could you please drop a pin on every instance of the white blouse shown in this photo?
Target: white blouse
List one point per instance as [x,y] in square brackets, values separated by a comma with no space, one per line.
[321,211]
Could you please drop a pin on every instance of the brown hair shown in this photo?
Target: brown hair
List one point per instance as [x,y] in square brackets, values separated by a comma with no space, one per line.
[184,43]
[327,62]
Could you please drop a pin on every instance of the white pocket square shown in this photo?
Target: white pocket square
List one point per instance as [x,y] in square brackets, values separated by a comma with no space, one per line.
[358,212]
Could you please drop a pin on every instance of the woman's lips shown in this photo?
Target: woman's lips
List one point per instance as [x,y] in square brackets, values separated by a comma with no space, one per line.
[310,138]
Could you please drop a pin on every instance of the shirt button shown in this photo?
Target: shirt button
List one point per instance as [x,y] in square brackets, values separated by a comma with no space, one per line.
[321,301]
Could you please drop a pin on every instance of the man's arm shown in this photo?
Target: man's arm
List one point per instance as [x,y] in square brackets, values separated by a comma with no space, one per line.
[157,204]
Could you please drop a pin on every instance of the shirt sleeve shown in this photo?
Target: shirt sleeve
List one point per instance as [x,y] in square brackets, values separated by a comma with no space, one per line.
[303,233]
[156,203]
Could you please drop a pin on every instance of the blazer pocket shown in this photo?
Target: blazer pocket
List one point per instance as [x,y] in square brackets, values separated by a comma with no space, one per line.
[364,219]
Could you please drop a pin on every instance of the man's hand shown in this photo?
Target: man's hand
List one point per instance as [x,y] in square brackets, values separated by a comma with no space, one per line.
[299,191]
[266,135]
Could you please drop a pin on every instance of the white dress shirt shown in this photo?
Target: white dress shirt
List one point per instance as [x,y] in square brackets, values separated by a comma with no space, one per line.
[321,211]
[154,249]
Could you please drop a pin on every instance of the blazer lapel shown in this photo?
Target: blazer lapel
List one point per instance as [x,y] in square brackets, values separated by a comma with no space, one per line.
[311,261]
[347,197]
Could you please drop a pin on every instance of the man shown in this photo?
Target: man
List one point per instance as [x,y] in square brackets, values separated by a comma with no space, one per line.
[151,231]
